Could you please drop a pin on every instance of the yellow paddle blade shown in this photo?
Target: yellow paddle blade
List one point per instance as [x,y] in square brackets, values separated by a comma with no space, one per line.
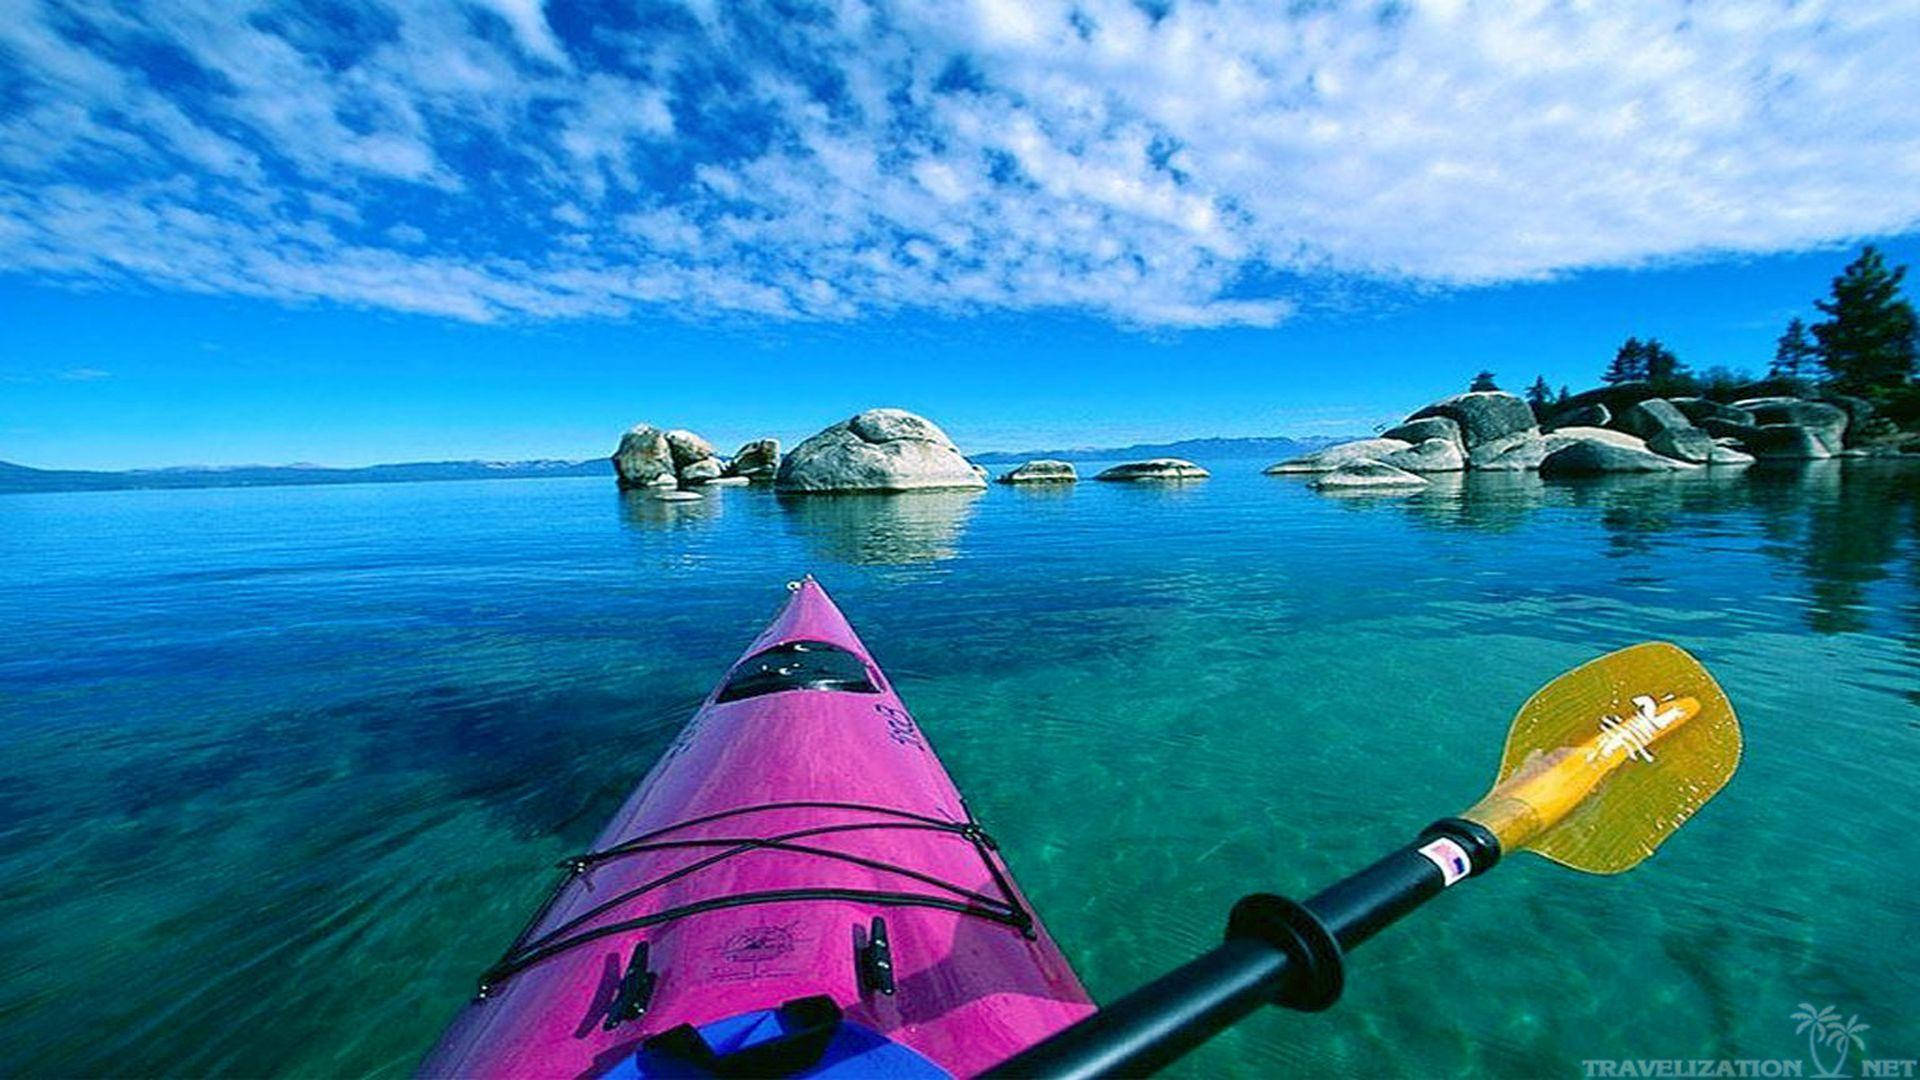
[1606,761]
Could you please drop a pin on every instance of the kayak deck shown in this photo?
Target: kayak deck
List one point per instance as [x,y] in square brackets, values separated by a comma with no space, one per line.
[799,816]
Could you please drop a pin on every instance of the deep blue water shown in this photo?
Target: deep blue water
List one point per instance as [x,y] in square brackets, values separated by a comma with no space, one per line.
[281,770]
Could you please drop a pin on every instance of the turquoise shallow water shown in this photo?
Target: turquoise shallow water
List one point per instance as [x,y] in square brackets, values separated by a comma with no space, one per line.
[282,769]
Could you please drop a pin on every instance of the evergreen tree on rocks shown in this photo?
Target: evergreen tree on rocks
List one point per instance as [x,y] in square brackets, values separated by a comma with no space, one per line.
[1793,354]
[1482,382]
[1664,370]
[1629,363]
[1867,340]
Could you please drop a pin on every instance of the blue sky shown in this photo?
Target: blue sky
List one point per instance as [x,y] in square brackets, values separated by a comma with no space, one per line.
[354,231]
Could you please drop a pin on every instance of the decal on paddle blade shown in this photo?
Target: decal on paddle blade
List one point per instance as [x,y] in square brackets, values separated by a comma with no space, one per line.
[1634,734]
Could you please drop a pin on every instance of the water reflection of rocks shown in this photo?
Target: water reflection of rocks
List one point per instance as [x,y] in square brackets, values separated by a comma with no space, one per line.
[1841,524]
[910,527]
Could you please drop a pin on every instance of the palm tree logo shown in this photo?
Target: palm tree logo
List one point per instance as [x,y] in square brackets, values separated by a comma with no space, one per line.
[1823,1026]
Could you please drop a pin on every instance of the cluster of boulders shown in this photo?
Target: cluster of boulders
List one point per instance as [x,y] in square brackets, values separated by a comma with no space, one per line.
[1702,431]
[1487,430]
[674,460]
[1625,428]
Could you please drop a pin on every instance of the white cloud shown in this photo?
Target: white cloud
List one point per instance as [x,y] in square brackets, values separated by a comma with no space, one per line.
[466,159]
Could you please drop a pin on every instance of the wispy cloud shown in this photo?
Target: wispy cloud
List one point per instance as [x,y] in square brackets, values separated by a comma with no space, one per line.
[83,374]
[1158,165]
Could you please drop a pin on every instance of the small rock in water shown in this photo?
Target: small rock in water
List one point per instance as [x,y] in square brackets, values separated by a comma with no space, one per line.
[675,495]
[1155,469]
[1042,471]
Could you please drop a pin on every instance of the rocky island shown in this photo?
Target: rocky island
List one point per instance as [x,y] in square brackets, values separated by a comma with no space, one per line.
[1627,427]
[669,462]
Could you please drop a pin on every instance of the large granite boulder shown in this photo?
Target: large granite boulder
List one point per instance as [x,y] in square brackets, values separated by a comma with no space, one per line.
[1688,444]
[1561,438]
[688,447]
[1165,468]
[1368,474]
[758,460]
[1427,456]
[701,471]
[1617,398]
[1786,442]
[1593,457]
[1874,433]
[1723,456]
[644,459]
[1485,417]
[1649,417]
[1335,456]
[1858,409]
[1593,414]
[1427,427]
[1728,429]
[1697,409]
[1516,452]
[1828,423]
[1041,471]
[1866,428]
[878,450]
[1753,403]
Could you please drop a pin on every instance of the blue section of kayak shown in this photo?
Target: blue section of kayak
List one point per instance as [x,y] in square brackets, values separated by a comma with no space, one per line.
[854,1053]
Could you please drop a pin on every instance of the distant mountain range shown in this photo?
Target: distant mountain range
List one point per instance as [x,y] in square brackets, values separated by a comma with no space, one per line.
[15,478]
[1273,449]
[21,478]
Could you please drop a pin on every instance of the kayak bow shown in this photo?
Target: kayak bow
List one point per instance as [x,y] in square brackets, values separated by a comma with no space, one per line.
[796,886]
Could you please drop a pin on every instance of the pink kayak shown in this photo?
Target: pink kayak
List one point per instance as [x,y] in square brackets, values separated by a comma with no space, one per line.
[796,888]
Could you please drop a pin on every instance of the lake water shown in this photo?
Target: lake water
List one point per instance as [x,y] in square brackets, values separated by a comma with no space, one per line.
[281,770]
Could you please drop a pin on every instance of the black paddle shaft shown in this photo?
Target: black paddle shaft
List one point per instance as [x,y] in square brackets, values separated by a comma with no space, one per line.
[1277,952]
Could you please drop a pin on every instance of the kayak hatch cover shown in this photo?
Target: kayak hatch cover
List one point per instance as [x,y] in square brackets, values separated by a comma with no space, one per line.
[796,888]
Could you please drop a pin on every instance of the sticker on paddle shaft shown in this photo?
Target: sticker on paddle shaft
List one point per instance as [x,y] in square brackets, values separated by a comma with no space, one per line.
[1450,857]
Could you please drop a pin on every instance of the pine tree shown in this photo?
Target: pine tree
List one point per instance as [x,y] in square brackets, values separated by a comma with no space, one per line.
[1793,354]
[1629,363]
[1867,340]
[1564,395]
[1539,395]
[1663,369]
[1482,382]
